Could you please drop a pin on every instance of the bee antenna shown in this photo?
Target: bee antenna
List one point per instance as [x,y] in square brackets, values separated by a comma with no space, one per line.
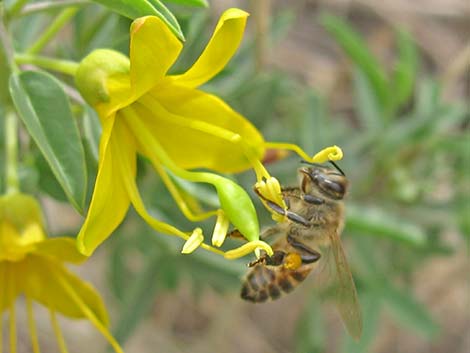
[303,161]
[337,168]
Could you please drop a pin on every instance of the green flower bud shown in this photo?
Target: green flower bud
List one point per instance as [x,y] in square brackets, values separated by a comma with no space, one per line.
[20,210]
[93,73]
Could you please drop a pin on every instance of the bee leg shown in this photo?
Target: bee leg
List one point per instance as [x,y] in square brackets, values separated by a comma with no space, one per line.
[312,199]
[307,254]
[294,217]
[275,260]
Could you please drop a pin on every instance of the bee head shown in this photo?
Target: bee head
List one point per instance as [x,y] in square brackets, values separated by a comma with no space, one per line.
[331,183]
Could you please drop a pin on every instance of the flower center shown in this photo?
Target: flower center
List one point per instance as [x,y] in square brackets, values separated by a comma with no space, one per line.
[15,246]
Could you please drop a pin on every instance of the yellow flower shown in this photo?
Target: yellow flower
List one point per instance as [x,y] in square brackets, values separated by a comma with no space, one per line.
[176,126]
[32,265]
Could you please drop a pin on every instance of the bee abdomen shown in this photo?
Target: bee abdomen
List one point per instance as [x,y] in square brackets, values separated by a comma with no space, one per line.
[267,282]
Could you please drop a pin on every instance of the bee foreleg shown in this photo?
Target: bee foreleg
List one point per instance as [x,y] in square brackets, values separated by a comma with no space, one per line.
[292,216]
[275,260]
[307,254]
[313,199]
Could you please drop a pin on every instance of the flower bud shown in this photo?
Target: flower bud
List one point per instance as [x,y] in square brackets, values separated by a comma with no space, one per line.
[95,70]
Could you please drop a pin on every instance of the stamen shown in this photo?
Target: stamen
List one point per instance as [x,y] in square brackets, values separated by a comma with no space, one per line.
[220,229]
[3,296]
[32,326]
[11,287]
[270,190]
[86,310]
[332,153]
[248,248]
[58,332]
[176,194]
[193,242]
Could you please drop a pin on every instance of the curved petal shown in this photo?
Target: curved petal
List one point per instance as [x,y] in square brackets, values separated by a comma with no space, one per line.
[198,129]
[9,289]
[220,49]
[154,48]
[110,200]
[40,282]
[62,249]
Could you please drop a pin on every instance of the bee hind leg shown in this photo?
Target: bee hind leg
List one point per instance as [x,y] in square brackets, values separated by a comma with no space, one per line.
[307,254]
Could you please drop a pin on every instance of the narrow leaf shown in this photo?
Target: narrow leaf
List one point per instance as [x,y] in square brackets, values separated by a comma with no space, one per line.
[356,49]
[45,111]
[368,107]
[377,222]
[404,307]
[404,75]
[196,3]
[139,8]
[138,299]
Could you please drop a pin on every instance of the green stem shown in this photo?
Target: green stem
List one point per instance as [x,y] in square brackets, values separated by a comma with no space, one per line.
[64,66]
[42,6]
[16,8]
[52,30]
[11,148]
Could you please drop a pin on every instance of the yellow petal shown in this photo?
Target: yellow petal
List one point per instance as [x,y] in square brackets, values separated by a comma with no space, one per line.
[154,48]
[9,290]
[62,249]
[110,200]
[221,47]
[39,281]
[198,129]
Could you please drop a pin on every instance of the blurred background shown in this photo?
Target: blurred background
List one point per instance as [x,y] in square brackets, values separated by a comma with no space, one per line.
[389,82]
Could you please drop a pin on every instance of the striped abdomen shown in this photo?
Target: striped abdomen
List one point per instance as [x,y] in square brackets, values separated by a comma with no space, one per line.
[269,282]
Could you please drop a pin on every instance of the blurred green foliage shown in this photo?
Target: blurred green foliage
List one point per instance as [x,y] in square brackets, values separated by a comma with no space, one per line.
[403,145]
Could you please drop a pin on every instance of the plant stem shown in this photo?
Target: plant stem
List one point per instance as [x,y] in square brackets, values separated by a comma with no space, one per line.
[16,8]
[49,5]
[262,16]
[11,148]
[64,66]
[52,30]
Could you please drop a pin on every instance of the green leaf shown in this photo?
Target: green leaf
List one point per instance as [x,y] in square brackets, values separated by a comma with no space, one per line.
[404,307]
[45,111]
[368,107]
[47,181]
[379,223]
[313,133]
[139,298]
[404,75]
[357,51]
[197,3]
[139,8]
[92,131]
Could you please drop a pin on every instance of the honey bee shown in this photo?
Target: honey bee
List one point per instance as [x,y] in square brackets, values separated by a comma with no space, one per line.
[315,220]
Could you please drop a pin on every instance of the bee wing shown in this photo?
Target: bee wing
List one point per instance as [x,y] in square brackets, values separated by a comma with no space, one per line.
[347,302]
